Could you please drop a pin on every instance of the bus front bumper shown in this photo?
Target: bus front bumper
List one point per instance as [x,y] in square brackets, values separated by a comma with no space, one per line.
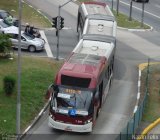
[70,127]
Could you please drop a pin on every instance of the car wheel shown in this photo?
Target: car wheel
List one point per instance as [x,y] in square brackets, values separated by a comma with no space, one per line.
[147,0]
[32,48]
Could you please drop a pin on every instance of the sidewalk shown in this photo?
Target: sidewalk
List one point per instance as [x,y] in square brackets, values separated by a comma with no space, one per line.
[155,130]
[152,129]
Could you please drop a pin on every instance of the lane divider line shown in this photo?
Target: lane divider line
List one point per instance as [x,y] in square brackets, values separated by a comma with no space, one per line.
[47,47]
[141,10]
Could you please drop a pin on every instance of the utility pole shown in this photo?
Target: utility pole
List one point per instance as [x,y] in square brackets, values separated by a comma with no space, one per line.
[57,56]
[117,7]
[112,5]
[130,12]
[142,19]
[18,115]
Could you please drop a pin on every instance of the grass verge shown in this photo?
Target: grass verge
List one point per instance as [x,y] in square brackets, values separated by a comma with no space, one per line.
[29,15]
[123,21]
[152,108]
[37,74]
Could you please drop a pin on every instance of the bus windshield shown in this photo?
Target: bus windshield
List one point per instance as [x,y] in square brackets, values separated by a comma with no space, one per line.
[73,99]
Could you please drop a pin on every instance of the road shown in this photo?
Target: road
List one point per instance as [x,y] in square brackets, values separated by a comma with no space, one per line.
[151,13]
[132,48]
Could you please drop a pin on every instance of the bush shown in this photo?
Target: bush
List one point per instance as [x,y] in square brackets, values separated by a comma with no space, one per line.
[9,84]
[5,44]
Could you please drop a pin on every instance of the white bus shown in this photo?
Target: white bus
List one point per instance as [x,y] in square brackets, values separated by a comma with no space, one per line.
[100,24]
[91,8]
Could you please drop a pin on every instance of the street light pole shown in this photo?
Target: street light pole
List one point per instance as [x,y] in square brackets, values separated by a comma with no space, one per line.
[130,12]
[142,20]
[57,56]
[18,115]
[112,5]
[58,30]
[117,7]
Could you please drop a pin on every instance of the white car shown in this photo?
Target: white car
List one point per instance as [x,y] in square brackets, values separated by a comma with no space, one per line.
[7,28]
[28,42]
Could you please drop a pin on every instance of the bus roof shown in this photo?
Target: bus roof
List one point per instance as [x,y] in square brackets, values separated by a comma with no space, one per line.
[96,45]
[102,38]
[101,17]
[81,66]
[101,25]
[95,3]
[91,8]
[87,61]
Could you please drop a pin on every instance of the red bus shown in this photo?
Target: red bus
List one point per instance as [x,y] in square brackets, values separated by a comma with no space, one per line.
[82,84]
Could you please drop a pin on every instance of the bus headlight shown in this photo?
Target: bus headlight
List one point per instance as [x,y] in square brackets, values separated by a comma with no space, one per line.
[88,121]
[51,116]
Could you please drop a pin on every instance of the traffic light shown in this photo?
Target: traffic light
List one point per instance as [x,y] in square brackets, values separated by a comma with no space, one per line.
[62,22]
[54,21]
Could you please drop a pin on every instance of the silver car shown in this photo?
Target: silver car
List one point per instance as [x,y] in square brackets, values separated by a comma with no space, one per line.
[27,41]
[7,28]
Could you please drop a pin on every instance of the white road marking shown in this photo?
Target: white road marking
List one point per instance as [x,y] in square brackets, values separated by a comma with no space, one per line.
[47,47]
[135,109]
[138,95]
[141,10]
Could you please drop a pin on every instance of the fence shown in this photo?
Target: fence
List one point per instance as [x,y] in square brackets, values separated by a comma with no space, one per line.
[128,132]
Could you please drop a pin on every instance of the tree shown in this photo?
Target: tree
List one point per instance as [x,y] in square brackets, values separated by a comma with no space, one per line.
[5,45]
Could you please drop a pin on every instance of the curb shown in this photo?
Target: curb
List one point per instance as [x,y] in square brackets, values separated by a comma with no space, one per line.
[36,118]
[136,30]
[140,68]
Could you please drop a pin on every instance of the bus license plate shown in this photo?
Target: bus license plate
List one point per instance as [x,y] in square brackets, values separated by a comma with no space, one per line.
[68,129]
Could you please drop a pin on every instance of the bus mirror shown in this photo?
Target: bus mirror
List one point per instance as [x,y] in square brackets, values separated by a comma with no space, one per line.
[49,92]
[55,90]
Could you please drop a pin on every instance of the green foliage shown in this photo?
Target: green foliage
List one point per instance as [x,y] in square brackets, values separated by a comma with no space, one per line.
[8,84]
[5,44]
[36,75]
[152,108]
[29,15]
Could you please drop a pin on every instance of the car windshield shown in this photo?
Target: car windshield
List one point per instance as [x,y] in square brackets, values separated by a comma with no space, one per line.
[4,25]
[29,37]
[73,98]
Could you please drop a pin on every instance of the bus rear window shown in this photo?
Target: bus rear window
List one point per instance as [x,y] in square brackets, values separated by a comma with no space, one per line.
[75,81]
